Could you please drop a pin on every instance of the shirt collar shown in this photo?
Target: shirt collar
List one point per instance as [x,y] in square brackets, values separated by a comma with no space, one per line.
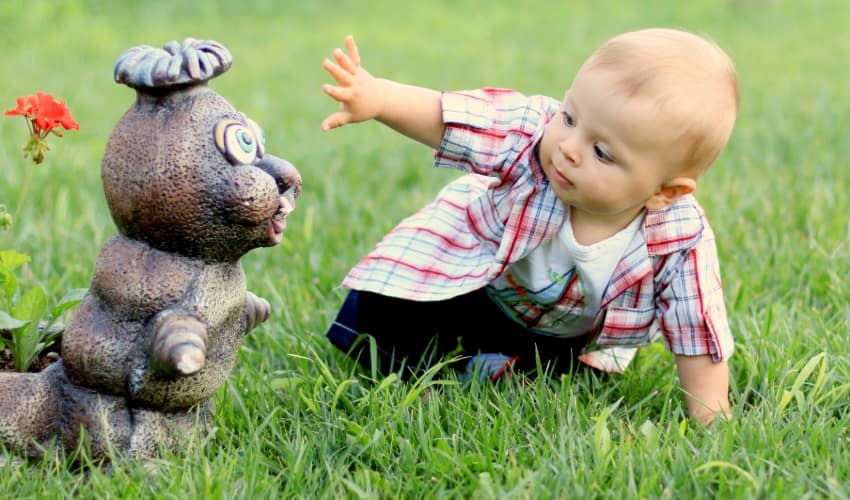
[536,166]
[675,228]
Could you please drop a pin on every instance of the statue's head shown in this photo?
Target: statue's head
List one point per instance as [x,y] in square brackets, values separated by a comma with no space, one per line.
[183,170]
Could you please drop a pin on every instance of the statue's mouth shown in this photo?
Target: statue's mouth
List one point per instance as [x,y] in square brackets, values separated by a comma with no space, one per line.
[277,224]
[288,182]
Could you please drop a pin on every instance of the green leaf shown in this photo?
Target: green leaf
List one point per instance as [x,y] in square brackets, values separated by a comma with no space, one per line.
[338,396]
[49,332]
[286,383]
[309,402]
[796,390]
[719,464]
[13,259]
[601,434]
[8,282]
[70,299]
[388,381]
[650,432]
[25,340]
[7,322]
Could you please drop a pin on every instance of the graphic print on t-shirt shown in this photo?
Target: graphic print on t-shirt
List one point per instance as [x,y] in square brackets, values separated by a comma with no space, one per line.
[557,304]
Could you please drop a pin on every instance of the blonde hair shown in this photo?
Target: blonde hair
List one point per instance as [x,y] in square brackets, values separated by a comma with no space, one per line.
[689,79]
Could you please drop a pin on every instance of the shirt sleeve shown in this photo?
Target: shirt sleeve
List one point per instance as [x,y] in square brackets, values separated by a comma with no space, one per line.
[488,130]
[692,310]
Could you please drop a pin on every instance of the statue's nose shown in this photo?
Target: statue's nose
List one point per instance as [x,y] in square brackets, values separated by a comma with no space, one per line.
[286,176]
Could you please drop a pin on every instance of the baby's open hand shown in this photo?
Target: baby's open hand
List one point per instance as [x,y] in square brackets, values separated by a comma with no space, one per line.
[356,90]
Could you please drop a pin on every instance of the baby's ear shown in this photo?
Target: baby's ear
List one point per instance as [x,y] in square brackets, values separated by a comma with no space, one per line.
[670,191]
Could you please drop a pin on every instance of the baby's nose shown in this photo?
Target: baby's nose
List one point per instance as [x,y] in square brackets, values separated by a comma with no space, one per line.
[570,151]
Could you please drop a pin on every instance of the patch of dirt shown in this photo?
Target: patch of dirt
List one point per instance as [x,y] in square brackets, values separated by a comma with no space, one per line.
[42,361]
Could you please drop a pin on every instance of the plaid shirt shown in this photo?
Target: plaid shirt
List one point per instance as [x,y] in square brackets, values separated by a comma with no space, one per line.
[666,283]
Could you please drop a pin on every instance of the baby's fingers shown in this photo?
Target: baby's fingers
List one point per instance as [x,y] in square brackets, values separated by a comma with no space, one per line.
[342,76]
[335,120]
[345,61]
[353,52]
[341,94]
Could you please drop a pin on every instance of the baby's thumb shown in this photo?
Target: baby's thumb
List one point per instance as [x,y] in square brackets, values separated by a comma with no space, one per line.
[335,120]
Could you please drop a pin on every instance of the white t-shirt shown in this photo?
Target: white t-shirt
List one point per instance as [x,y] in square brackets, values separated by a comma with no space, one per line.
[557,288]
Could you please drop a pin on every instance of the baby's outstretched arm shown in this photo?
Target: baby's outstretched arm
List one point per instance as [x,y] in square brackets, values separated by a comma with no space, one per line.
[413,111]
[706,386]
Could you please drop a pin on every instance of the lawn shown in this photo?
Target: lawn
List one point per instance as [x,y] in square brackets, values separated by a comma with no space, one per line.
[298,419]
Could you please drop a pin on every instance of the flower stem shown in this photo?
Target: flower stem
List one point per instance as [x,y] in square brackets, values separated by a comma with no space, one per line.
[18,203]
[21,197]
[23,192]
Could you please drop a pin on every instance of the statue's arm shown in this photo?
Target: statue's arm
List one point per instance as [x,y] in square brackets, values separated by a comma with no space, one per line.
[257,310]
[179,343]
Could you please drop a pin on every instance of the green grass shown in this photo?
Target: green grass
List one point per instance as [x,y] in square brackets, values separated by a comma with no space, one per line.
[297,419]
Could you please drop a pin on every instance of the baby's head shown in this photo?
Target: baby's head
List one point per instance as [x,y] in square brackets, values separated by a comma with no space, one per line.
[687,81]
[645,116]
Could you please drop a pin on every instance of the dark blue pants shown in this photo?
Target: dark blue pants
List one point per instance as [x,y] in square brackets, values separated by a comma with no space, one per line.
[412,336]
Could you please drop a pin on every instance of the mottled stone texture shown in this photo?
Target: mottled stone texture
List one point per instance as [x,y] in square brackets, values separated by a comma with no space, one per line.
[191,190]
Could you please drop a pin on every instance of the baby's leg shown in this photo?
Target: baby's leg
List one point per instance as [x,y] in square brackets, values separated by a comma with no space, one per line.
[409,336]
[498,343]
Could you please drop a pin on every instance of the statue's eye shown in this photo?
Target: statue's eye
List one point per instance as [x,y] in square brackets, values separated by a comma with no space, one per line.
[258,133]
[237,142]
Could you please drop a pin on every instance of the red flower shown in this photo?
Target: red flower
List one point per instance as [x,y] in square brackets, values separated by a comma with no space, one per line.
[44,115]
[25,107]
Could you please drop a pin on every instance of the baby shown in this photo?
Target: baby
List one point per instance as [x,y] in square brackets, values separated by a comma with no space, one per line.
[575,237]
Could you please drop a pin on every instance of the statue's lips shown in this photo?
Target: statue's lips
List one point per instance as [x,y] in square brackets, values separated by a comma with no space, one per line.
[277,224]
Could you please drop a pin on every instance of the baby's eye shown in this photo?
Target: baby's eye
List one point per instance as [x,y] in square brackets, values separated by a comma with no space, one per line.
[602,155]
[237,142]
[568,119]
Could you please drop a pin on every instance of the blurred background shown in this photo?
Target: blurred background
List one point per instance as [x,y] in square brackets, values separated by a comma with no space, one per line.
[294,419]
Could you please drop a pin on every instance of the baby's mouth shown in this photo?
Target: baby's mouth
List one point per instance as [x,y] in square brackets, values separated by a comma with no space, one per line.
[557,175]
[563,180]
[560,178]
[277,224]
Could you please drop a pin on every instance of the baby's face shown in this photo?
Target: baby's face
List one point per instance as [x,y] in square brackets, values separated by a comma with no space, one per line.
[606,154]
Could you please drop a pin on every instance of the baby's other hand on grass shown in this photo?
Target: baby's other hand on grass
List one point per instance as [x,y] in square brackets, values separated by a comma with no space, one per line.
[357,91]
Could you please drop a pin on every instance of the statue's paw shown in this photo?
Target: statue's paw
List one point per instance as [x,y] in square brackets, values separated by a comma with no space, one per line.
[180,346]
[257,310]
[188,358]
